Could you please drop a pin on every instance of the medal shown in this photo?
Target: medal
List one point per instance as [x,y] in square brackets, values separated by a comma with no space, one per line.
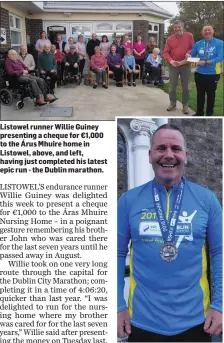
[169,252]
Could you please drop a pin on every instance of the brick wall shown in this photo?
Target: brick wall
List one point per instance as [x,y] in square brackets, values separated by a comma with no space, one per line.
[35,26]
[140,28]
[4,19]
[161,36]
[204,142]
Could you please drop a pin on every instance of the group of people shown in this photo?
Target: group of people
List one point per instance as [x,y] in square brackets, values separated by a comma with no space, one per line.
[179,48]
[56,60]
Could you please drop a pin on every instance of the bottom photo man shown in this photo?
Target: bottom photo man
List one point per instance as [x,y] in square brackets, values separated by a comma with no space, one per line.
[169,230]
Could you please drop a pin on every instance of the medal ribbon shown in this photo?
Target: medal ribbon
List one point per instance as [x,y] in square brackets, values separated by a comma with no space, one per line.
[168,229]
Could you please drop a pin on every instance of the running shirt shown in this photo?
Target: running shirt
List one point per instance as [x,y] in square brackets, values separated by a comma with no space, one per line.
[169,297]
[209,50]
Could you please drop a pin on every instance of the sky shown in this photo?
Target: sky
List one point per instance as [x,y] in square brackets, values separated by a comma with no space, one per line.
[170,7]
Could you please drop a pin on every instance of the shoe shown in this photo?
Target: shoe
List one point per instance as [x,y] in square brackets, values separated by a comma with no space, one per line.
[48,98]
[171,108]
[156,83]
[129,84]
[134,84]
[120,84]
[105,86]
[117,84]
[209,114]
[40,102]
[198,114]
[94,86]
[144,81]
[185,110]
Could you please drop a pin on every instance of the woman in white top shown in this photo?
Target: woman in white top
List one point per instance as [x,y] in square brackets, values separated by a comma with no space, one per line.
[81,50]
[41,42]
[105,46]
[67,45]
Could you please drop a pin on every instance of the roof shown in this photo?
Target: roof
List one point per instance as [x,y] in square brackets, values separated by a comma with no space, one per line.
[147,7]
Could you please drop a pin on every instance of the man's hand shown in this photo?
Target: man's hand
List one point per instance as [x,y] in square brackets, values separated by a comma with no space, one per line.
[213,322]
[25,72]
[123,324]
[174,63]
[117,66]
[75,65]
[53,71]
[201,63]
[187,55]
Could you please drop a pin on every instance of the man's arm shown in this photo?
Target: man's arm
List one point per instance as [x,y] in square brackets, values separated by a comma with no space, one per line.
[219,49]
[213,323]
[166,52]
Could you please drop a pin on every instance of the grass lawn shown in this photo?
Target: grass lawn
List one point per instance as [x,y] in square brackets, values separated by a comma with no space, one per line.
[219,105]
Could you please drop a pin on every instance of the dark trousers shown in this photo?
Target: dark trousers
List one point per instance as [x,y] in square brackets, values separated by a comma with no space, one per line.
[118,73]
[156,71]
[206,84]
[38,85]
[70,68]
[53,76]
[195,334]
[81,65]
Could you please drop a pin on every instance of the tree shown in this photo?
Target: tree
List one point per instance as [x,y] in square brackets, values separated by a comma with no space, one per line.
[196,14]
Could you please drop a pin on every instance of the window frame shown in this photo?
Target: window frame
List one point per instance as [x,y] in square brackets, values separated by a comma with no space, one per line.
[15,29]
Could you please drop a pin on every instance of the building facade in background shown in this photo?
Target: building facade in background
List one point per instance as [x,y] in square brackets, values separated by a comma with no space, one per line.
[21,22]
[204,164]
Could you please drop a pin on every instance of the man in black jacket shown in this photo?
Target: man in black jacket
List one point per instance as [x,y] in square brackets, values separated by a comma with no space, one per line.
[72,61]
[92,43]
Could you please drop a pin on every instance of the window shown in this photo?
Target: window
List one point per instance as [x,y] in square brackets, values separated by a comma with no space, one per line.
[156,28]
[15,31]
[104,26]
[84,29]
[150,27]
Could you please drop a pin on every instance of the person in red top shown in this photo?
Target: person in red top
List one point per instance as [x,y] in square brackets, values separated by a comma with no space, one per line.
[60,61]
[126,43]
[177,50]
[139,52]
[98,65]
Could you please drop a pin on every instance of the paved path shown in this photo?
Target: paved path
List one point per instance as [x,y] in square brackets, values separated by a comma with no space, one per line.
[99,104]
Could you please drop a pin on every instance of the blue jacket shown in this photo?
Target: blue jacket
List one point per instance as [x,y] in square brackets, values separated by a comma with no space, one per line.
[129,61]
[209,50]
[169,298]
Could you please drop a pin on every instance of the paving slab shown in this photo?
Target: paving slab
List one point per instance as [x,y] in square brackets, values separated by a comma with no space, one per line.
[99,104]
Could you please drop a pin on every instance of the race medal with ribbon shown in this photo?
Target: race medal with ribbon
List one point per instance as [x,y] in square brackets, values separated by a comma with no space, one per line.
[168,251]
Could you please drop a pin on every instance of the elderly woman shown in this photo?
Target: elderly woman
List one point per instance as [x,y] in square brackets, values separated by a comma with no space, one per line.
[139,52]
[115,65]
[98,64]
[67,45]
[26,58]
[153,66]
[14,67]
[105,46]
[81,50]
[41,42]
[129,63]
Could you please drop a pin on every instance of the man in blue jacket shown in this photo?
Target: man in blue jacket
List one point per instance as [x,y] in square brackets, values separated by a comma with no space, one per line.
[167,221]
[207,75]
